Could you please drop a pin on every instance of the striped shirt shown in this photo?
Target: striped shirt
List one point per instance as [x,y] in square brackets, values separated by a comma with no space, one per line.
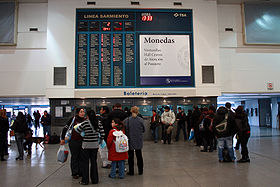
[91,135]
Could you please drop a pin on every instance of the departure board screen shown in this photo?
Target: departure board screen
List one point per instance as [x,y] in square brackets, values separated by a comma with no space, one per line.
[134,48]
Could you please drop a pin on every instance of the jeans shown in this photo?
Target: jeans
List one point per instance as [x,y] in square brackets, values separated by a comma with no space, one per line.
[19,140]
[47,129]
[139,161]
[86,156]
[183,127]
[75,149]
[114,164]
[155,133]
[222,143]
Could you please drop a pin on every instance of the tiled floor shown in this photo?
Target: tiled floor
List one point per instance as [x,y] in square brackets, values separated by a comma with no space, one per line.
[178,164]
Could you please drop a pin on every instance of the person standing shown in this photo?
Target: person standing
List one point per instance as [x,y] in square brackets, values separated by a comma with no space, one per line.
[135,129]
[195,120]
[208,137]
[167,118]
[104,111]
[4,128]
[75,143]
[188,119]
[243,132]
[223,129]
[114,156]
[20,127]
[29,120]
[37,117]
[92,128]
[181,118]
[46,122]
[155,121]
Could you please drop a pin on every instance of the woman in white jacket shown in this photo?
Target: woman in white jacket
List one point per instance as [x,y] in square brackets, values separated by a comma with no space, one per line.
[168,118]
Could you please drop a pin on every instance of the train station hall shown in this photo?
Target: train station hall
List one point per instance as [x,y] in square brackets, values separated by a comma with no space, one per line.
[144,93]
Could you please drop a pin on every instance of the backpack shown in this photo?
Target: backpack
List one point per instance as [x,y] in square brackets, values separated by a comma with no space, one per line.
[222,127]
[121,141]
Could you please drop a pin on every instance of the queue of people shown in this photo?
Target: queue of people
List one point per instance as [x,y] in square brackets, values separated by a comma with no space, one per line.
[212,129]
[109,126]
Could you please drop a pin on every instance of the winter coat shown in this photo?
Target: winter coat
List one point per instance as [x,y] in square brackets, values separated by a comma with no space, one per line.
[113,155]
[168,117]
[195,119]
[90,140]
[181,117]
[242,124]
[116,113]
[155,122]
[4,126]
[20,126]
[135,129]
[219,117]
[75,135]
[46,120]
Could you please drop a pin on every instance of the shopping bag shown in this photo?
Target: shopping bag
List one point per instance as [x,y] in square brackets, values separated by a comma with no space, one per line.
[62,154]
[191,134]
[102,144]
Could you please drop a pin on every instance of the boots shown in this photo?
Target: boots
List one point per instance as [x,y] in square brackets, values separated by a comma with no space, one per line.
[242,160]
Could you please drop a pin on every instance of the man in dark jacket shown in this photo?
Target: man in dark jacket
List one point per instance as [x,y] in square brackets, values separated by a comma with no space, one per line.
[181,118]
[46,122]
[195,120]
[116,113]
[224,127]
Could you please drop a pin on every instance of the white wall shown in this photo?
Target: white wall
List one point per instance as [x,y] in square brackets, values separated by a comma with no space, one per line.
[253,120]
[29,66]
[23,67]
[244,68]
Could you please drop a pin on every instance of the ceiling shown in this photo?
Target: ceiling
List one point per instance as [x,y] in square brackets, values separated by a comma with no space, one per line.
[248,1]
[218,1]
[24,101]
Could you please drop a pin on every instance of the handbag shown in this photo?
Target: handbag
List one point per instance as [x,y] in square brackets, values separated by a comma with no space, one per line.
[69,131]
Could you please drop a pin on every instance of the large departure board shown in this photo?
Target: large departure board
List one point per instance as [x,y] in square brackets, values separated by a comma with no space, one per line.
[131,48]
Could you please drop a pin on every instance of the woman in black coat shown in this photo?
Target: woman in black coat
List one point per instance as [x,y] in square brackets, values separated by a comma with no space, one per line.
[20,127]
[243,132]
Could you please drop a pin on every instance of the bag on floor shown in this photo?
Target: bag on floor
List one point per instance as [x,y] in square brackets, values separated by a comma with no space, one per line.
[121,142]
[62,154]
[191,134]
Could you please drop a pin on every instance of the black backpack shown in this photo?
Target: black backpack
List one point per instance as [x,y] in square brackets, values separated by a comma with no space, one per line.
[222,127]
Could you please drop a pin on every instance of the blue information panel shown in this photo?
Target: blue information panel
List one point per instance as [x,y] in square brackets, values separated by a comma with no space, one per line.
[131,48]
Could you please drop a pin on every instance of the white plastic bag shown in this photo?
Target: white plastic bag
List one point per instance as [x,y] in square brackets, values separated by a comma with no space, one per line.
[62,154]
